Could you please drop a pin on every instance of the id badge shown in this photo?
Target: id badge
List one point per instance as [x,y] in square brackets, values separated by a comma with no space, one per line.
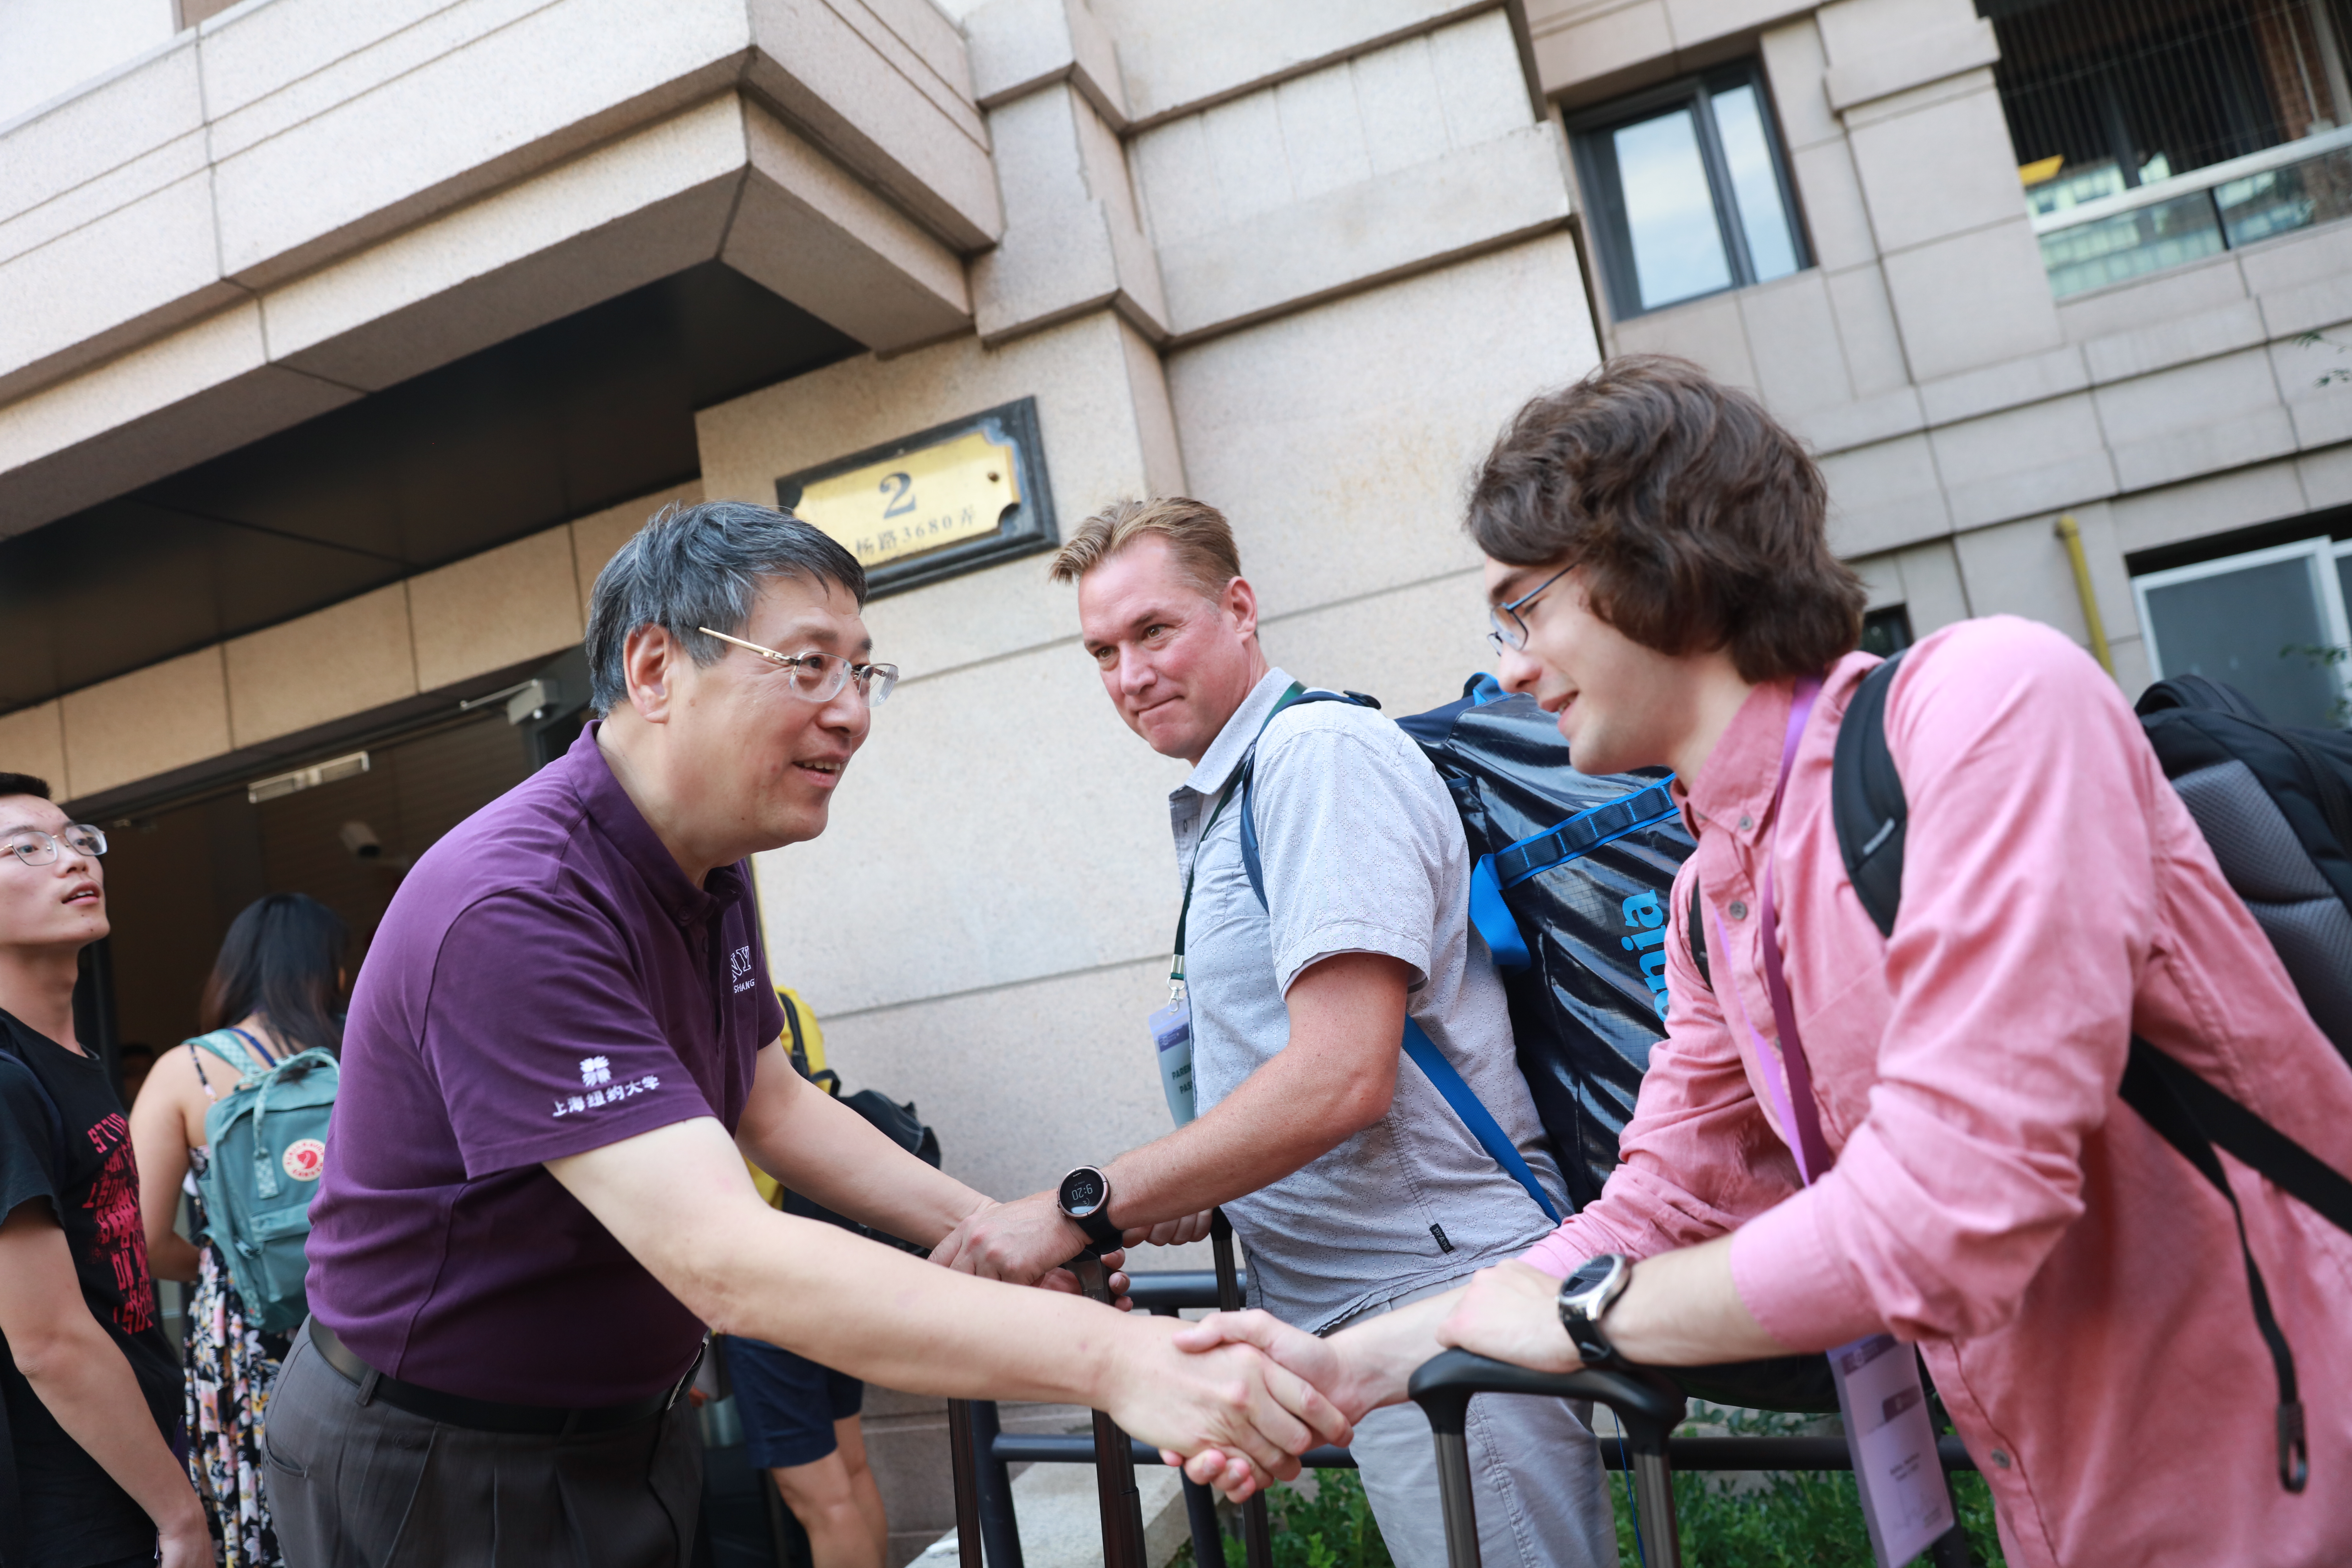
[1904,1497]
[1171,1032]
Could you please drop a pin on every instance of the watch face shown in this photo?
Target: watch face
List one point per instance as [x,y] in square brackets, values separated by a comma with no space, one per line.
[1590,1272]
[1083,1191]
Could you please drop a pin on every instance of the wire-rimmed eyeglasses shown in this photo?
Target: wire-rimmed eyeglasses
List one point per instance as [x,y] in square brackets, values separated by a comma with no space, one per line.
[35,847]
[820,675]
[1508,629]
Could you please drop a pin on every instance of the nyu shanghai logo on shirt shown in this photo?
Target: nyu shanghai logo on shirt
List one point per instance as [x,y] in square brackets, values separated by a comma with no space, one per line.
[597,1078]
[739,961]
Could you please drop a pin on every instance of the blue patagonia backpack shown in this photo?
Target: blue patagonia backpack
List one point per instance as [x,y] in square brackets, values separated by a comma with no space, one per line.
[268,1138]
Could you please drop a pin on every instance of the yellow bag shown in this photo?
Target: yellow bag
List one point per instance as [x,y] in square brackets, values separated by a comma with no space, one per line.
[805,1041]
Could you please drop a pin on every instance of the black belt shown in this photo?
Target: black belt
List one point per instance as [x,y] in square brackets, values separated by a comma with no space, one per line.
[488,1414]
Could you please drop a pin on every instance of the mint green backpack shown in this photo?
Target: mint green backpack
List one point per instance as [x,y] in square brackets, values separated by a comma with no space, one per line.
[268,1138]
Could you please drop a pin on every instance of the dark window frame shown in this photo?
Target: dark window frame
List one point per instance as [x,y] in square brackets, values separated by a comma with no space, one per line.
[1605,227]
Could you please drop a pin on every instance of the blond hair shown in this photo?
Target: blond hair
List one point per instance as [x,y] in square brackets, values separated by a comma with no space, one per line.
[1196,532]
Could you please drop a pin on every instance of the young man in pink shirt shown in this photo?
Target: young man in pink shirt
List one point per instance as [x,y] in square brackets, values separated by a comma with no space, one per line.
[1662,581]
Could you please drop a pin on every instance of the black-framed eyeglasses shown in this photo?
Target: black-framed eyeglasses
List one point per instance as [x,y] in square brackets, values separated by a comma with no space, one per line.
[1508,629]
[35,847]
[820,675]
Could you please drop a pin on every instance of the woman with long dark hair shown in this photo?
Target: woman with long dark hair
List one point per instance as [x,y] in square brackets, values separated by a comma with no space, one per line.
[273,993]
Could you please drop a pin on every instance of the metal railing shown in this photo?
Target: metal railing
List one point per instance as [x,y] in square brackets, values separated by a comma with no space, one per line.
[983,1451]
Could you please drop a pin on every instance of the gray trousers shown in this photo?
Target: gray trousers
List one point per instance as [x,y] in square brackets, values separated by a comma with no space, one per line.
[367,1486]
[1543,1495]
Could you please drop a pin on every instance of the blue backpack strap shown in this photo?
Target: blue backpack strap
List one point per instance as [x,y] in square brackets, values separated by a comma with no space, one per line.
[1417,1043]
[233,1050]
[1586,831]
[1251,863]
[1493,917]
[1577,836]
[1474,1113]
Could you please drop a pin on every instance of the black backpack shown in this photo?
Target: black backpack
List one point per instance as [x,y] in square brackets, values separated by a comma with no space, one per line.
[897,1120]
[2275,806]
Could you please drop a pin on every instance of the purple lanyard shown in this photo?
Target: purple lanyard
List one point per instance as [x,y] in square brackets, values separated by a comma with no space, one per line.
[1792,1083]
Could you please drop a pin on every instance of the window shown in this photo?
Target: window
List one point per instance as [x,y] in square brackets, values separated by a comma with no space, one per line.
[2153,132]
[1686,190]
[2270,623]
[1886,631]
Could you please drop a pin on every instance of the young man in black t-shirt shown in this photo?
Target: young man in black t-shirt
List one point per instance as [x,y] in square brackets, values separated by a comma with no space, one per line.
[90,1388]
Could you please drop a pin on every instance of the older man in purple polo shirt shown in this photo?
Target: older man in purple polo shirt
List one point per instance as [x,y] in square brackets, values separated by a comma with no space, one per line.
[562,1048]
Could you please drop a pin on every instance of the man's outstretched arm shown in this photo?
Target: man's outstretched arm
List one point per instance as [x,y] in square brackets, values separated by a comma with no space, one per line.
[1679,1310]
[77,1371]
[678,1199]
[1335,1077]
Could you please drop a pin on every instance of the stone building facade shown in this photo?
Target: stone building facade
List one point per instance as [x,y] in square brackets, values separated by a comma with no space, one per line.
[341,343]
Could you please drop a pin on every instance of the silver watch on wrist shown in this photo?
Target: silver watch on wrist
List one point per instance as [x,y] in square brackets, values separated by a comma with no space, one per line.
[1585,1296]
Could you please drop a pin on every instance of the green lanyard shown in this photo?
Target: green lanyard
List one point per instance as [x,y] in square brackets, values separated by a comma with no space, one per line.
[1176,968]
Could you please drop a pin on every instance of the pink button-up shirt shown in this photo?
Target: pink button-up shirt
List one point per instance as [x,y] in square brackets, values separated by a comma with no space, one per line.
[2075,1285]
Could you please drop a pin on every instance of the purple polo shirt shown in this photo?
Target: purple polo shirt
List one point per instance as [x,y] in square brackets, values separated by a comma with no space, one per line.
[546,982]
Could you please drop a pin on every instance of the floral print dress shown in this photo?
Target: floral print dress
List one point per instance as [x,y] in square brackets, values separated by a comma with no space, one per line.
[232,1367]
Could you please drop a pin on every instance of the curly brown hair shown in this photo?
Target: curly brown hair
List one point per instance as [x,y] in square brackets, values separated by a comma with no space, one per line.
[1698,520]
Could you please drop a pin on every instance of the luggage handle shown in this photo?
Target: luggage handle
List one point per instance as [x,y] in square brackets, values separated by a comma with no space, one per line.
[1649,1404]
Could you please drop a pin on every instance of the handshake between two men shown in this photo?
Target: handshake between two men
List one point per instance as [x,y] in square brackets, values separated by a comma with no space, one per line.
[1238,1420]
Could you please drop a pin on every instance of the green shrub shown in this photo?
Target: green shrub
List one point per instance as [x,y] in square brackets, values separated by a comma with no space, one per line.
[1333,1529]
[1799,1519]
[1796,1519]
[1792,1519]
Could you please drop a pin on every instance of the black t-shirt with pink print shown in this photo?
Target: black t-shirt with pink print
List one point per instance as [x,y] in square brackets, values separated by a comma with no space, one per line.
[70,1510]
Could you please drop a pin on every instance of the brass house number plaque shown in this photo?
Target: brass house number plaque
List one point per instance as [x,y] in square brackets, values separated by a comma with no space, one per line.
[948,500]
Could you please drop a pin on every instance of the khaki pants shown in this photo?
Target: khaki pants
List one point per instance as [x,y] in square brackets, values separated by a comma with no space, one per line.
[1542,1494]
[367,1486]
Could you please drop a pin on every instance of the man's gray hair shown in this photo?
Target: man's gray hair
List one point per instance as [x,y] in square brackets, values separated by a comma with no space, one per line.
[701,566]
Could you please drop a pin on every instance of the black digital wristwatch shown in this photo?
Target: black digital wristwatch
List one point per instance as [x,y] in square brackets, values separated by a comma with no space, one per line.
[1084,1196]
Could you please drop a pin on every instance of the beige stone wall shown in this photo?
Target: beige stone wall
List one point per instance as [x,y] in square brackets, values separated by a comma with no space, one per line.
[50,47]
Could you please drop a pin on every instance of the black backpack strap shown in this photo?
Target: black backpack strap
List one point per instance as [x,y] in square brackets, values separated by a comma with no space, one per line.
[1251,863]
[2197,692]
[798,1049]
[2193,1116]
[2287,1164]
[1695,934]
[1866,800]
[1870,811]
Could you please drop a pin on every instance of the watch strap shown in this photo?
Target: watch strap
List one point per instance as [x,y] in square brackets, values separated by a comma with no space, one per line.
[1582,1309]
[1097,1227]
